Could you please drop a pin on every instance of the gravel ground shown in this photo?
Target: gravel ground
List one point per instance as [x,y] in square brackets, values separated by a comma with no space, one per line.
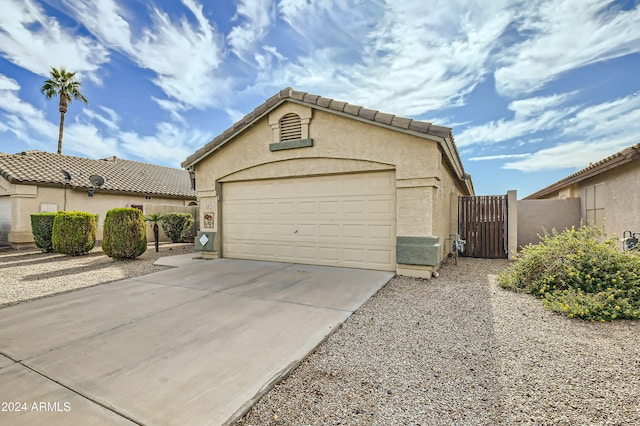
[455,350]
[459,350]
[31,274]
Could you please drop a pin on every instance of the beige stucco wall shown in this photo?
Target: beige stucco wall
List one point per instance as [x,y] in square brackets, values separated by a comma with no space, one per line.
[340,145]
[622,204]
[622,191]
[535,216]
[28,199]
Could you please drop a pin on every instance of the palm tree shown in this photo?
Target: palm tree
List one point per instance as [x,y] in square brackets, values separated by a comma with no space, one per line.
[155,218]
[63,84]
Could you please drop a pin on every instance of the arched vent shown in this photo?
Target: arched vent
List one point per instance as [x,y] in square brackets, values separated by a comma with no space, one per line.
[290,127]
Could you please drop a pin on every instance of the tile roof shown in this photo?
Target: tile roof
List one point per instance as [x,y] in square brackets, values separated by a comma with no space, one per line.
[619,158]
[122,176]
[421,128]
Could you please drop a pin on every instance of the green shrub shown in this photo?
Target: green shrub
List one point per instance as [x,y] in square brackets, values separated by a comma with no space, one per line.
[125,233]
[175,225]
[74,233]
[42,229]
[580,274]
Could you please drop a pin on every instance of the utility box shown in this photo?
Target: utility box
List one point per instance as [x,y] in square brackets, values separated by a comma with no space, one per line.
[204,241]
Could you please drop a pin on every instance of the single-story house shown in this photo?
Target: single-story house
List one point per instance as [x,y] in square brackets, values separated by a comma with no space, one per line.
[36,181]
[609,192]
[308,179]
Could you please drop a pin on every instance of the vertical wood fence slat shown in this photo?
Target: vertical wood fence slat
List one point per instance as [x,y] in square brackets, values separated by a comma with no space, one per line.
[482,222]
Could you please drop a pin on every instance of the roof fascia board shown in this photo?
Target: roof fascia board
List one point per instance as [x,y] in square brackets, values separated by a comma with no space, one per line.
[445,143]
[367,121]
[580,176]
[103,190]
[232,135]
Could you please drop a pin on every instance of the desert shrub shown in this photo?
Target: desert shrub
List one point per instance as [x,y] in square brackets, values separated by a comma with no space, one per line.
[579,273]
[125,233]
[42,230]
[175,225]
[74,233]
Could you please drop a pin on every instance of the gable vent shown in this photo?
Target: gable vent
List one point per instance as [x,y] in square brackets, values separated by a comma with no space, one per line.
[290,127]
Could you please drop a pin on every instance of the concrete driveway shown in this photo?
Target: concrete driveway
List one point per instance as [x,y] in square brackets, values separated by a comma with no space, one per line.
[192,345]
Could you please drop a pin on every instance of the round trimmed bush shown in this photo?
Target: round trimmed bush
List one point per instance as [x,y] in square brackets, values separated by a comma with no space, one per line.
[42,229]
[74,233]
[125,233]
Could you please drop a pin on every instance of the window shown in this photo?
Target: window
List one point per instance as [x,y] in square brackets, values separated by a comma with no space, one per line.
[290,127]
[594,203]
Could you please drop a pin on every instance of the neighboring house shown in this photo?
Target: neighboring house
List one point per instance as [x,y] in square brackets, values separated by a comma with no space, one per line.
[609,192]
[35,181]
[307,179]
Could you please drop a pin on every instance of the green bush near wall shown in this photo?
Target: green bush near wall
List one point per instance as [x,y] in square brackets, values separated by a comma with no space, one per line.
[175,225]
[74,233]
[125,233]
[42,229]
[580,274]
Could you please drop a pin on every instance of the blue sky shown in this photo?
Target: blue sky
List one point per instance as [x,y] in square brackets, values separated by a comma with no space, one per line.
[533,89]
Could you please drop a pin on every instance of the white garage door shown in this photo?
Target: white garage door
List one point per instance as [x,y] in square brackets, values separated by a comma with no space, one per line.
[339,220]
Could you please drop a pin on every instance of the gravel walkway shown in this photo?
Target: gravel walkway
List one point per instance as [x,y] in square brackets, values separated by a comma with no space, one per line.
[456,350]
[459,350]
[31,274]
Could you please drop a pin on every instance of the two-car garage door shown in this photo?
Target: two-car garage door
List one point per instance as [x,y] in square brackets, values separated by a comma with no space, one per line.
[338,220]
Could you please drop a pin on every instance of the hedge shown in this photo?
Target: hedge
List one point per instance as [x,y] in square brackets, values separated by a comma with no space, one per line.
[175,225]
[74,233]
[42,229]
[125,233]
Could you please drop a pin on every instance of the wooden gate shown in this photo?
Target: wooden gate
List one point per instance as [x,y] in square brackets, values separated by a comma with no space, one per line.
[482,222]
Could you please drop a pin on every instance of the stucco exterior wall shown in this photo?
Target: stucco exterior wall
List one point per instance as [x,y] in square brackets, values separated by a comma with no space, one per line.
[622,202]
[340,145]
[622,197]
[28,199]
[534,215]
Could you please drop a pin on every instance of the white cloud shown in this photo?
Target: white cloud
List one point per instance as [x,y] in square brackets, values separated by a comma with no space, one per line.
[530,116]
[581,135]
[21,116]
[258,16]
[155,148]
[577,154]
[89,141]
[93,133]
[110,122]
[185,55]
[563,35]
[172,107]
[401,57]
[498,157]
[591,135]
[616,119]
[30,126]
[104,18]
[7,83]
[34,41]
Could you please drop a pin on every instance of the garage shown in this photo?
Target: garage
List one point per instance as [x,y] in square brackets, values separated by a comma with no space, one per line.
[339,220]
[312,180]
